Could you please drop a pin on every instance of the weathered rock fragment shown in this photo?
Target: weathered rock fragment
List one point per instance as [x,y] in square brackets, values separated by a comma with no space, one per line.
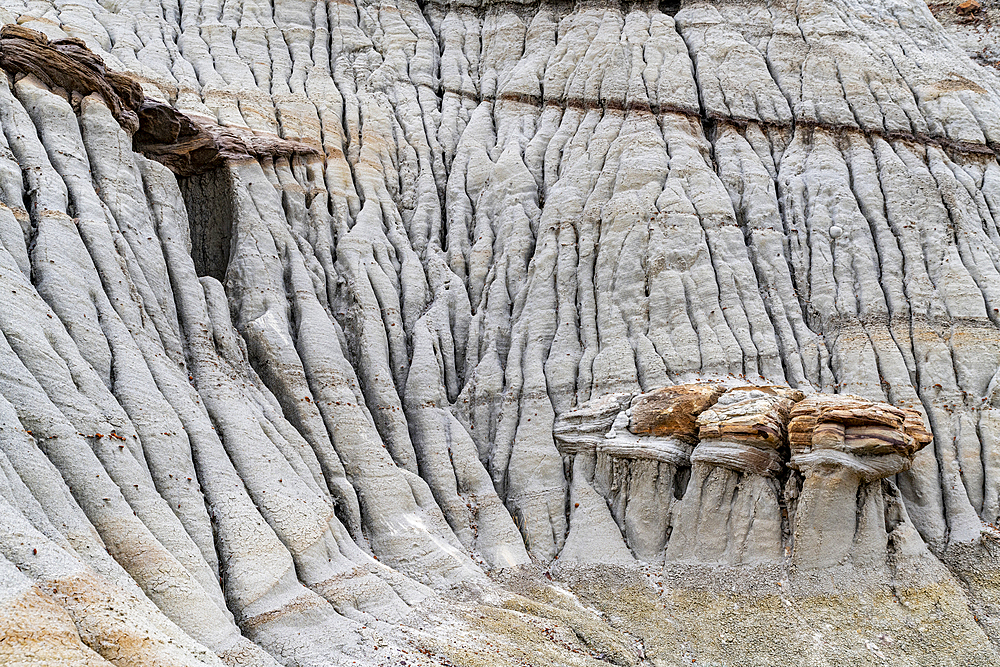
[673,411]
[190,145]
[745,430]
[844,446]
[70,65]
[643,462]
[731,511]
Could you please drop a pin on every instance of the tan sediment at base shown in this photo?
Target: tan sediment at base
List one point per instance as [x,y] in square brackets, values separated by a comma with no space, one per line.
[37,632]
[701,623]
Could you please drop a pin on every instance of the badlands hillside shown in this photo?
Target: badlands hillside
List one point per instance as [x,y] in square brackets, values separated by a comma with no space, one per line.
[499,333]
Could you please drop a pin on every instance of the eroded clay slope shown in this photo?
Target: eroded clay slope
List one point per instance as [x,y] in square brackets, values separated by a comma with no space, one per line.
[360,321]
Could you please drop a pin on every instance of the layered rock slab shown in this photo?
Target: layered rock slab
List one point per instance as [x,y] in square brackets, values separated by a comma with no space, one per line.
[844,447]
[732,511]
[742,476]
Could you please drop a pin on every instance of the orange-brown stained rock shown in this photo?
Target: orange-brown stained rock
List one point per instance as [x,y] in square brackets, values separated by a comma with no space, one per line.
[189,146]
[968,7]
[855,425]
[756,415]
[185,145]
[673,411]
[914,426]
[34,630]
[69,64]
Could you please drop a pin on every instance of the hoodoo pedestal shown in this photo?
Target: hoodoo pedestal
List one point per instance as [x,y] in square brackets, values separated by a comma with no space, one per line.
[844,446]
[731,512]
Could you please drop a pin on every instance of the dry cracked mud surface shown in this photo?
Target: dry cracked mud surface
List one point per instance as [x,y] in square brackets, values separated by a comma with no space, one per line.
[382,332]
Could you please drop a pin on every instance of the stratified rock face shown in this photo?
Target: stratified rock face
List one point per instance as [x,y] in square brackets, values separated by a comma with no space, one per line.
[733,510]
[844,446]
[873,440]
[767,474]
[746,430]
[672,411]
[636,460]
[327,326]
[69,64]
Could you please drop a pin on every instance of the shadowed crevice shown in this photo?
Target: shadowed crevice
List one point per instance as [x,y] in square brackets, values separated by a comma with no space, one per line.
[209,203]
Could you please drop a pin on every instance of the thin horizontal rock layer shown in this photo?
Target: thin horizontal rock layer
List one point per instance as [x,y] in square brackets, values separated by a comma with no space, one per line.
[327,327]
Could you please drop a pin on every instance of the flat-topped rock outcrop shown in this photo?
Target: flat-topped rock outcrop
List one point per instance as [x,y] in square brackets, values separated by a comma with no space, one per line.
[873,440]
[749,474]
